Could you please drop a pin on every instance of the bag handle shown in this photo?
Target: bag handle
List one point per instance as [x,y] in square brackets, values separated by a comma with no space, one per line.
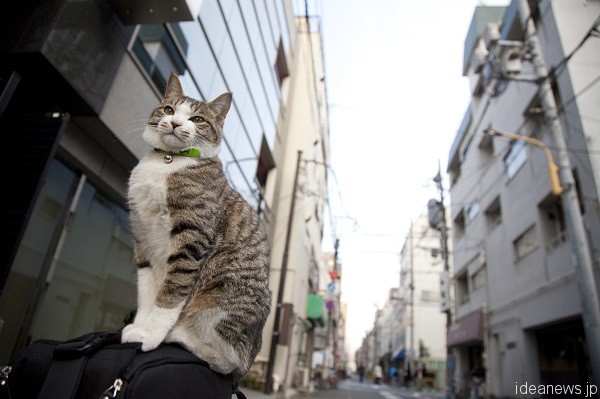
[62,380]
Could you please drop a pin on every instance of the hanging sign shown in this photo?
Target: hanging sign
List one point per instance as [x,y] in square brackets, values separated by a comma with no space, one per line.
[331,287]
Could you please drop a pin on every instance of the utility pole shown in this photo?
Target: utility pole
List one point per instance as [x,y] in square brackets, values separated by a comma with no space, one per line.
[412,297]
[446,257]
[590,308]
[336,307]
[443,231]
[280,291]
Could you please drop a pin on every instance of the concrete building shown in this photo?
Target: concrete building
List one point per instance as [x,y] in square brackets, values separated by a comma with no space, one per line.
[410,329]
[389,331]
[306,124]
[423,324]
[518,314]
[79,80]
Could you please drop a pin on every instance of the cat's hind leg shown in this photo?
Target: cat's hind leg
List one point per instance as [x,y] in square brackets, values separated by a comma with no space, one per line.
[199,335]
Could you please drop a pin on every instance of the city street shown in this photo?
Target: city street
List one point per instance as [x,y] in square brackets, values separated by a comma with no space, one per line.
[352,389]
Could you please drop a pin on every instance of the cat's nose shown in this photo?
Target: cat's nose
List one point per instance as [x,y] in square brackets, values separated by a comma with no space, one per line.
[175,124]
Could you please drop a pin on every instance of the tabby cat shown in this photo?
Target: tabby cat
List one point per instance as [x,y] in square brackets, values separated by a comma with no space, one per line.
[201,251]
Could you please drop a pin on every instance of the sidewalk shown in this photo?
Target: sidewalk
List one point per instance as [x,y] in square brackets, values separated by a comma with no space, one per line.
[254,394]
[422,394]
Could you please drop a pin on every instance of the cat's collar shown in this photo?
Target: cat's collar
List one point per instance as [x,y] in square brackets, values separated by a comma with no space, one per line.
[190,152]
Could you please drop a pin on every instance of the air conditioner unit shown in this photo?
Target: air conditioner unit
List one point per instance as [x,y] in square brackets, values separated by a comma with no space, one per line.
[302,378]
[491,35]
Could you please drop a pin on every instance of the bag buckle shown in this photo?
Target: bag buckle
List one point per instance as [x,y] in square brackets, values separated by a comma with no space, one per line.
[113,390]
[84,345]
[4,375]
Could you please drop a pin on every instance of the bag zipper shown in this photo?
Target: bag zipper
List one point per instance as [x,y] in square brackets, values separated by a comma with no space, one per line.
[4,375]
[113,390]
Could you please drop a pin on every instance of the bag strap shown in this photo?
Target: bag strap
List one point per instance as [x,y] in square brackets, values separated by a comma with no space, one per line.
[70,357]
[63,379]
[238,393]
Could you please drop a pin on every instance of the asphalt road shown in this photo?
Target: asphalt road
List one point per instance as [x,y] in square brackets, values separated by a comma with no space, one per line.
[352,389]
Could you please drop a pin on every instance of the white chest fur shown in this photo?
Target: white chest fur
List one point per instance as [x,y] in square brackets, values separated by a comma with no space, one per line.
[148,202]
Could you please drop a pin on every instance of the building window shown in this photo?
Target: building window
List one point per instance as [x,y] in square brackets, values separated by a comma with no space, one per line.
[493,215]
[468,148]
[478,279]
[454,175]
[515,158]
[281,67]
[157,53]
[462,289]
[89,280]
[552,223]
[429,296]
[459,225]
[525,244]
[472,211]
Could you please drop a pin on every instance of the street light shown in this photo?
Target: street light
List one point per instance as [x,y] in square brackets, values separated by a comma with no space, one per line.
[552,167]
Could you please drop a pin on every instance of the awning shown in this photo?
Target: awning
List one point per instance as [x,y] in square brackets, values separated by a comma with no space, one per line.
[467,329]
[399,355]
[314,310]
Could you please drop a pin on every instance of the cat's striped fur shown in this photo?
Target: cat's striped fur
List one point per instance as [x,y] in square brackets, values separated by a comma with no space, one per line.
[201,250]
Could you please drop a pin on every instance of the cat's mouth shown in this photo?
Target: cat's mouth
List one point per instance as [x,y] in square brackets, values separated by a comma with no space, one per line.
[172,139]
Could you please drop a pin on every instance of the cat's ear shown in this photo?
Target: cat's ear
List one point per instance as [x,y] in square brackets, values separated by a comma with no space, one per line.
[174,89]
[220,106]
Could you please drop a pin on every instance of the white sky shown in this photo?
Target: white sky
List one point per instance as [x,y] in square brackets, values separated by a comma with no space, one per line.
[397,97]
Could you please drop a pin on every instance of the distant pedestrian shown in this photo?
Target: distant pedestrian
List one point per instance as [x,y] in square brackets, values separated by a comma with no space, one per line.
[378,373]
[361,372]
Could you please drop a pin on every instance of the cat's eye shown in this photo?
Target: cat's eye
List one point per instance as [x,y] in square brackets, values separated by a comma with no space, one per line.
[197,119]
[168,110]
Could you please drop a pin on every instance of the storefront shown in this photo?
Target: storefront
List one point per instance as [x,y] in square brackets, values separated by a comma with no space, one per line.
[465,340]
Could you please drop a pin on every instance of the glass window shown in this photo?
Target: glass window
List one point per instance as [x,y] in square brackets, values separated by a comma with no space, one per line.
[430,296]
[252,123]
[40,237]
[217,87]
[260,39]
[478,279]
[227,6]
[248,62]
[267,30]
[494,214]
[468,148]
[158,54]
[232,129]
[515,159]
[282,19]
[232,72]
[472,211]
[525,244]
[199,56]
[92,283]
[458,225]
[213,24]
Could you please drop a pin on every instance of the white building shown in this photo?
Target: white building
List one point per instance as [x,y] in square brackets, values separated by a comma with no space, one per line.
[518,313]
[423,333]
[304,119]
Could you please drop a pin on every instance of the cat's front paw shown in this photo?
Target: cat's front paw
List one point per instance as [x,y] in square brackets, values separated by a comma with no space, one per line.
[149,337]
[126,331]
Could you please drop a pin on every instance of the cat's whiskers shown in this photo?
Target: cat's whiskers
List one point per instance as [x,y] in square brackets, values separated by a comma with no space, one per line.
[137,130]
[208,150]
